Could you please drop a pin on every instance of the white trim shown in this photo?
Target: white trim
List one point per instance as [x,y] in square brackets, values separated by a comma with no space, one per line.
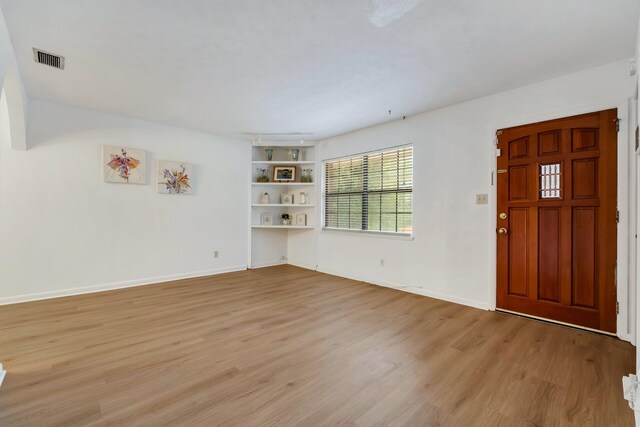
[249,199]
[625,331]
[636,261]
[264,264]
[285,205]
[555,322]
[280,227]
[116,285]
[624,328]
[624,337]
[302,265]
[283,162]
[265,143]
[413,290]
[367,233]
[284,184]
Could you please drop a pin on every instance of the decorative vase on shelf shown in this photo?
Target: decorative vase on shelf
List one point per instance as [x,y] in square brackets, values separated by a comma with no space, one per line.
[286,222]
[286,219]
[269,152]
[295,154]
[303,198]
[265,199]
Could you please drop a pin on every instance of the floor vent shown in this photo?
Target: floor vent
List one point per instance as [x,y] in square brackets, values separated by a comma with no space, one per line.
[46,58]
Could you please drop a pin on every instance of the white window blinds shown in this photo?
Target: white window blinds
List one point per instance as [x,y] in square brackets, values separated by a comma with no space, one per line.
[370,192]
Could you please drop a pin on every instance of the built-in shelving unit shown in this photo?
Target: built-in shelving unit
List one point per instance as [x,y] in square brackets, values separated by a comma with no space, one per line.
[269,242]
[288,227]
[281,162]
[285,184]
[265,205]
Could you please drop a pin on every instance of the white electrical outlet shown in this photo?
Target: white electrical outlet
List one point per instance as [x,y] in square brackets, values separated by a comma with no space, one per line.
[482,199]
[283,258]
[216,254]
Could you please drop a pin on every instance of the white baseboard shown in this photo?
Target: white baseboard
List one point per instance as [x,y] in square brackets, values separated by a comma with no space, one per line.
[303,265]
[267,264]
[116,285]
[450,298]
[154,280]
[414,290]
[626,337]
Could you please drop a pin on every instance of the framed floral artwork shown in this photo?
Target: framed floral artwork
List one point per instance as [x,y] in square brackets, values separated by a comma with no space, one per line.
[174,177]
[124,165]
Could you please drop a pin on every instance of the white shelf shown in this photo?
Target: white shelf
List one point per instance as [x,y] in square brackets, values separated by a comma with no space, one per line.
[290,205]
[283,226]
[306,184]
[271,244]
[283,162]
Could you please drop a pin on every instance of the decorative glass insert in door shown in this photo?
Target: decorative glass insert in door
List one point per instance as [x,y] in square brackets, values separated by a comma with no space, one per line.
[550,181]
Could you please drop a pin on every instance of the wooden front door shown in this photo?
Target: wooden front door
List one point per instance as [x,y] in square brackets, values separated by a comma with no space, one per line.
[556,225]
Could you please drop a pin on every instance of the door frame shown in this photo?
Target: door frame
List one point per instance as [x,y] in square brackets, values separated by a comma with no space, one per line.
[625,322]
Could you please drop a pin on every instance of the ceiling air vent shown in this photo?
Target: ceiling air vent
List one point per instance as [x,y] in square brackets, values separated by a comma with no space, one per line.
[46,58]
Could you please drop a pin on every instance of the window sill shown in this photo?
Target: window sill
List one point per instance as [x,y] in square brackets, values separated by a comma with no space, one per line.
[374,234]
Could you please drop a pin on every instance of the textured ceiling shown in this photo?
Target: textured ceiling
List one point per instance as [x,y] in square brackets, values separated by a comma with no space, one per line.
[322,66]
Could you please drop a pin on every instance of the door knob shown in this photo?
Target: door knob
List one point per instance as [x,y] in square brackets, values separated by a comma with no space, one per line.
[502,230]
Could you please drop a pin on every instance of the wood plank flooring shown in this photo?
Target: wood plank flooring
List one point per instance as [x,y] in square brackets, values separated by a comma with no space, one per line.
[287,346]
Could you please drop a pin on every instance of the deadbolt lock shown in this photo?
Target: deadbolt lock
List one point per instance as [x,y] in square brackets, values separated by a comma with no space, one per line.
[503,215]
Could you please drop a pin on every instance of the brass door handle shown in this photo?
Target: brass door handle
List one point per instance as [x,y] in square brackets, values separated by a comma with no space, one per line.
[502,230]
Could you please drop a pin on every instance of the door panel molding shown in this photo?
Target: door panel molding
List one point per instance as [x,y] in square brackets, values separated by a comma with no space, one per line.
[569,206]
[626,328]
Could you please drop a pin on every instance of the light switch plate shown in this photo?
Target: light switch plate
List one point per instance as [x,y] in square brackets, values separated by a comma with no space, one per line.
[482,199]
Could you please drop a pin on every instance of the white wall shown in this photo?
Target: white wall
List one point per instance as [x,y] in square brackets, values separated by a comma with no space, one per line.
[269,246]
[62,227]
[302,248]
[7,56]
[453,253]
[635,177]
[13,89]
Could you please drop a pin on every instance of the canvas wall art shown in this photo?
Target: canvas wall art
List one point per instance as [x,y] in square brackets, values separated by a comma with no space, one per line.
[123,165]
[174,177]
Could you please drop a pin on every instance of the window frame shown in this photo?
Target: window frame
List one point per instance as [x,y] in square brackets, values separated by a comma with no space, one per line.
[373,233]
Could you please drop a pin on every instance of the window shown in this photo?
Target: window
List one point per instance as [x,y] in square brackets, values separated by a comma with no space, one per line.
[550,181]
[370,192]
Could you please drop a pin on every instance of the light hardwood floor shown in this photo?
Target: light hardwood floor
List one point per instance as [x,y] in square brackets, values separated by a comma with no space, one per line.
[287,346]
